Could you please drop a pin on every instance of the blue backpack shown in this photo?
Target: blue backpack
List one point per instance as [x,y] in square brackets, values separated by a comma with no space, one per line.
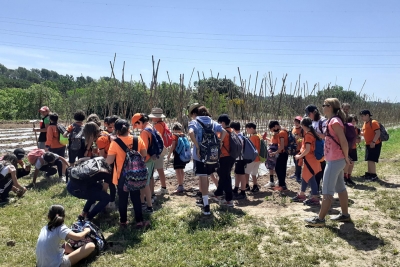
[250,153]
[183,148]
[319,149]
[156,146]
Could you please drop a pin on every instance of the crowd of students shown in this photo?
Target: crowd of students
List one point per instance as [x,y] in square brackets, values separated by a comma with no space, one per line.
[215,145]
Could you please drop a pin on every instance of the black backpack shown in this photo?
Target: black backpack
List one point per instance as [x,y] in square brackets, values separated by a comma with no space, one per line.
[87,169]
[75,137]
[235,145]
[210,146]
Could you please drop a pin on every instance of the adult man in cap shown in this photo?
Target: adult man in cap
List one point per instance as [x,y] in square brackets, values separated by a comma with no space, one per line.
[44,112]
[373,144]
[157,117]
[24,170]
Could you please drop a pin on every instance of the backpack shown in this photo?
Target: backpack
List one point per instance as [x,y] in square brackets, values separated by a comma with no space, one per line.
[134,170]
[61,130]
[210,146]
[156,146]
[291,148]
[235,145]
[263,153]
[96,236]
[319,148]
[88,168]
[183,149]
[349,132]
[75,137]
[250,152]
[167,136]
[384,134]
[34,155]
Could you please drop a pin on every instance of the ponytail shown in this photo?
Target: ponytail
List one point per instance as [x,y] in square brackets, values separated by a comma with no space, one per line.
[307,122]
[56,217]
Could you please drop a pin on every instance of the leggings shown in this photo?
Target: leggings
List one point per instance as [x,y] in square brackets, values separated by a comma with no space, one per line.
[318,176]
[123,203]
[313,184]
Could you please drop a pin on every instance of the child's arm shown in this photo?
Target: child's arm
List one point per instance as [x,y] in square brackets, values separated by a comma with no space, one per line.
[78,236]
[305,152]
[173,146]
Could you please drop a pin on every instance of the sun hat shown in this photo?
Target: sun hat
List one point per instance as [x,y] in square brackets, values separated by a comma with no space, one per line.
[193,106]
[156,113]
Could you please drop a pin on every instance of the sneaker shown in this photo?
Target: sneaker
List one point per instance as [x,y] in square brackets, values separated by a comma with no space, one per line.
[111,206]
[152,199]
[206,210]
[293,176]
[239,197]
[161,191]
[270,185]
[315,221]
[199,202]
[280,188]
[63,179]
[247,187]
[226,203]
[143,225]
[312,202]
[255,188]
[148,210]
[341,218]
[299,198]
[216,198]
[123,224]
[179,190]
[349,182]
[298,180]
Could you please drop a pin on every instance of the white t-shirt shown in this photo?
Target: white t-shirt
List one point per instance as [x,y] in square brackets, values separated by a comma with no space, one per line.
[48,249]
[39,161]
[324,124]
[4,172]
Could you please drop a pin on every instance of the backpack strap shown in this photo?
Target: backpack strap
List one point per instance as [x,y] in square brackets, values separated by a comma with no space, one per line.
[329,135]
[320,122]
[135,144]
[122,145]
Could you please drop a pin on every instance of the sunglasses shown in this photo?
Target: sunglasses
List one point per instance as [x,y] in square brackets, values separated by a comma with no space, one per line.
[326,105]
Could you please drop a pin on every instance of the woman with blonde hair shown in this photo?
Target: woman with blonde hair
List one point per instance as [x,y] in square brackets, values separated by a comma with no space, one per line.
[336,155]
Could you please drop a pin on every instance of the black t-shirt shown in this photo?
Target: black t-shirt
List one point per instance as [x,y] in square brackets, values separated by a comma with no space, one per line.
[107,177]
[42,136]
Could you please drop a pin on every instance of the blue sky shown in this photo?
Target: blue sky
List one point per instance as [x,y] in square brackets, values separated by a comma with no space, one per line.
[325,42]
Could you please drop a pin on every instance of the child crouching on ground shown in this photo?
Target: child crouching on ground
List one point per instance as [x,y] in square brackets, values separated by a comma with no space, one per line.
[48,251]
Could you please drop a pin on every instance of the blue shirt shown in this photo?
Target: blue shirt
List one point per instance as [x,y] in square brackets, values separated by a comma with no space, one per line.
[198,130]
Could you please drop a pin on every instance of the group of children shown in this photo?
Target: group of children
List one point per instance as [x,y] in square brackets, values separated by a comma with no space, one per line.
[214,145]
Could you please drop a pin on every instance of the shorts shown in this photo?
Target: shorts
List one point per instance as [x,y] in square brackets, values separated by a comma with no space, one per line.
[178,163]
[41,145]
[252,168]
[73,154]
[373,154]
[65,261]
[159,163]
[150,170]
[353,154]
[201,169]
[333,180]
[240,166]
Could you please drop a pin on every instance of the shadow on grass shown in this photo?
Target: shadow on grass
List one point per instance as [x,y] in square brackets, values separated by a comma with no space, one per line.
[359,239]
[46,183]
[364,187]
[388,185]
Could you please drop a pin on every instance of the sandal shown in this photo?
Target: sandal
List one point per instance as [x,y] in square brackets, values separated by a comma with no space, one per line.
[142,225]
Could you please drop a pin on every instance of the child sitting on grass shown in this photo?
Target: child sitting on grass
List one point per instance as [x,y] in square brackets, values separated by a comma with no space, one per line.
[48,251]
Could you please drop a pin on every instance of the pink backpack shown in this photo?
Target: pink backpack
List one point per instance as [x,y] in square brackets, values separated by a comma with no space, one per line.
[34,155]
[167,136]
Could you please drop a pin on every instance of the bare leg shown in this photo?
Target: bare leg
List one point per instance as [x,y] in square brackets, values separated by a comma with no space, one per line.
[214,179]
[81,253]
[152,185]
[344,202]
[179,176]
[204,185]
[350,171]
[161,175]
[247,177]
[371,167]
[254,177]
[325,206]
[146,192]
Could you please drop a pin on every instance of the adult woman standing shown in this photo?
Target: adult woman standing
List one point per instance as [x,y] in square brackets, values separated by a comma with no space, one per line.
[117,155]
[336,155]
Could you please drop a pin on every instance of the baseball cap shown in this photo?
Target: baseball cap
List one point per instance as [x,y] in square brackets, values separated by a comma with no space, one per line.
[365,112]
[224,118]
[44,108]
[19,153]
[309,109]
[135,118]
[299,118]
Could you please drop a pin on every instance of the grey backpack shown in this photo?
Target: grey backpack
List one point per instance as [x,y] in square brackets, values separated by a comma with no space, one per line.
[75,137]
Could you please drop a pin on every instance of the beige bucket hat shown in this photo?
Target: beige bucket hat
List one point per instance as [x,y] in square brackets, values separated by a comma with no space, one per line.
[156,113]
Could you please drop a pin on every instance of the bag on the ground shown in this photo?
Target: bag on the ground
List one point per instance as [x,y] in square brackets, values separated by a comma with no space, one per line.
[291,148]
[96,236]
[263,153]
[156,146]
[75,137]
[34,155]
[61,130]
[210,146]
[87,169]
[235,145]
[250,152]
[134,171]
[183,149]
[167,136]
[384,134]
